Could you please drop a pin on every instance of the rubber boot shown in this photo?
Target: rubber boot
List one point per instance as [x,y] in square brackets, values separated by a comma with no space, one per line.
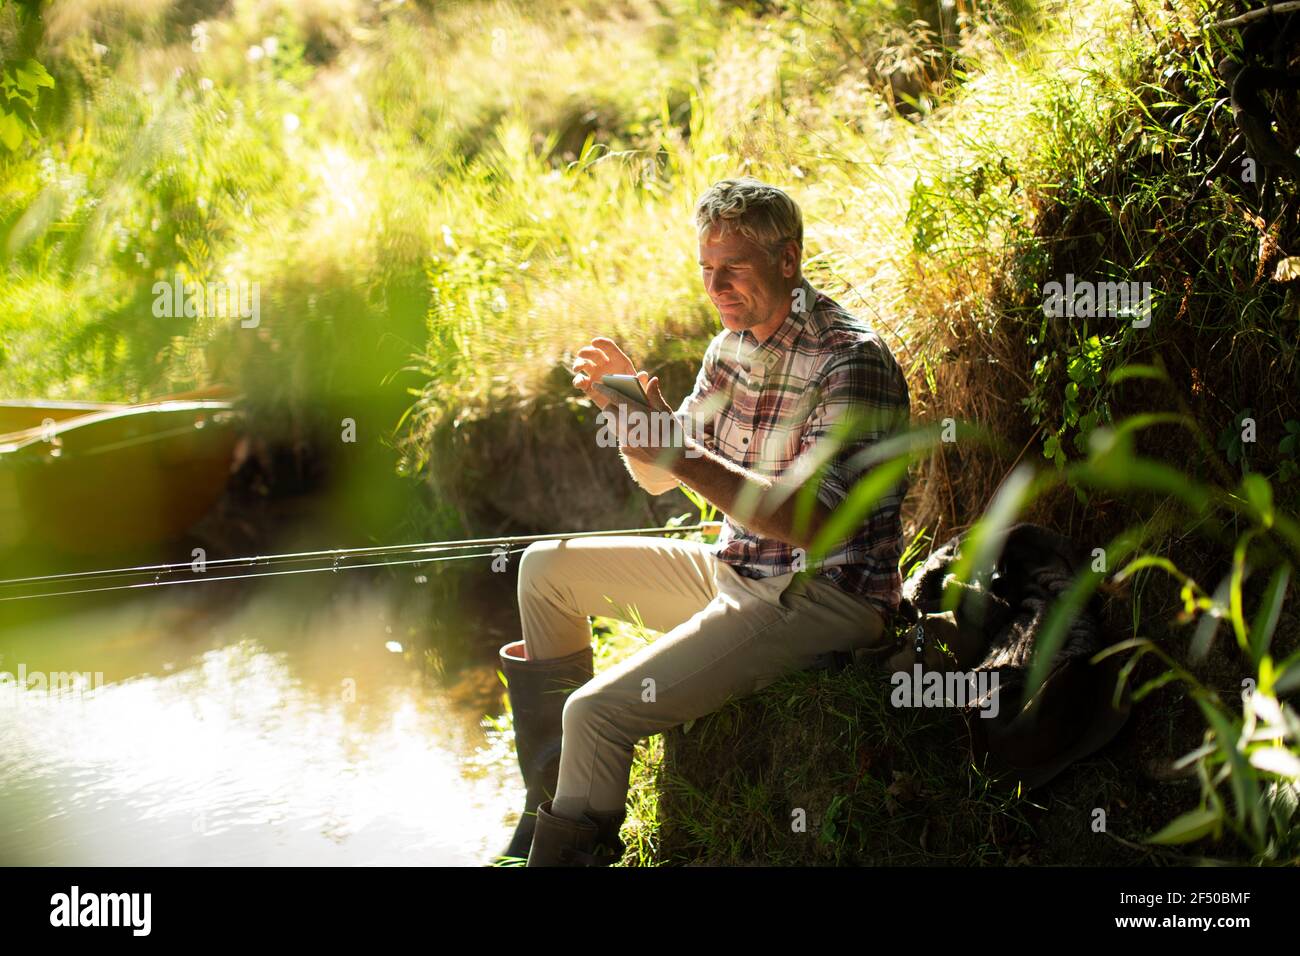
[608,825]
[591,841]
[538,690]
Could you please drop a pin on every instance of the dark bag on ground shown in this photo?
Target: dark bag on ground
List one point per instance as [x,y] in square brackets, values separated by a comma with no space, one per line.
[994,629]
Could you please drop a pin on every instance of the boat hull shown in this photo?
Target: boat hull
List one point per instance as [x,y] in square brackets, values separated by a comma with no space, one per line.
[112,478]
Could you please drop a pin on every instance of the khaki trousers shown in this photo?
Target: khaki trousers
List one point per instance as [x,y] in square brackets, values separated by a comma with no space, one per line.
[725,635]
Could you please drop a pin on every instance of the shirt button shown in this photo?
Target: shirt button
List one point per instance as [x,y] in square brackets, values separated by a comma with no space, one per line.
[745,440]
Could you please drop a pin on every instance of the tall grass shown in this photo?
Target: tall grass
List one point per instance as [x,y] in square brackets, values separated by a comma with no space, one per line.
[519,177]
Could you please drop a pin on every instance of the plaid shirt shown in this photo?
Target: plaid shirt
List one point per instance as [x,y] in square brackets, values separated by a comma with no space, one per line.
[762,406]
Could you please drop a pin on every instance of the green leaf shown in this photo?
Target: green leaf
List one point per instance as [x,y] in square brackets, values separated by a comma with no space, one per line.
[11,130]
[984,543]
[1245,785]
[1237,613]
[861,499]
[1282,803]
[1261,630]
[1288,681]
[1149,419]
[1119,470]
[827,832]
[1067,607]
[1207,628]
[1152,561]
[1136,371]
[1259,493]
[1276,760]
[1154,684]
[32,76]
[15,92]
[1188,827]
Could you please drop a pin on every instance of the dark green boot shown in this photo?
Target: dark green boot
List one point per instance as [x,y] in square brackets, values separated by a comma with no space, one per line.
[591,841]
[538,690]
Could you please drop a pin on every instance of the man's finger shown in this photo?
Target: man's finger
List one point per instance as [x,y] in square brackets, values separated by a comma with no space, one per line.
[593,353]
[657,396]
[611,347]
[588,388]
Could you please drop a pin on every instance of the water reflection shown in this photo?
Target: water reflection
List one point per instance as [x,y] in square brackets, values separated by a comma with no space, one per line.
[283,730]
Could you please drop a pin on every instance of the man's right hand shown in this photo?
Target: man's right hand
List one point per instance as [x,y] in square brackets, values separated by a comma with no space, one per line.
[602,357]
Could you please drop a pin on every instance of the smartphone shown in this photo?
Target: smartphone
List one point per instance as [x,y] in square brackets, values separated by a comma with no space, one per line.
[624,389]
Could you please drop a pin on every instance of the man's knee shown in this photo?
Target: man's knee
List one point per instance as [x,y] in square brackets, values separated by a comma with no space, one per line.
[595,706]
[583,708]
[538,565]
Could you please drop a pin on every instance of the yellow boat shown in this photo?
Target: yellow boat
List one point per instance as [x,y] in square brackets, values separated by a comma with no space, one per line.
[93,477]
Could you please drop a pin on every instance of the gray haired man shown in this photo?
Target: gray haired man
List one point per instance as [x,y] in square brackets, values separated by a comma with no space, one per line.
[778,388]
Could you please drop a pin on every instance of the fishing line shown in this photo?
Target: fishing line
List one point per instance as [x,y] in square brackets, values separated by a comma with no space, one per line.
[432,552]
[504,541]
[243,577]
[270,560]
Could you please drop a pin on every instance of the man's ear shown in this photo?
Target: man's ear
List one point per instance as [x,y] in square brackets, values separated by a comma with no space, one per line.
[790,259]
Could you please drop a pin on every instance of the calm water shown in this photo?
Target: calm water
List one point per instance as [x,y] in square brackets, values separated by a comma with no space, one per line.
[248,728]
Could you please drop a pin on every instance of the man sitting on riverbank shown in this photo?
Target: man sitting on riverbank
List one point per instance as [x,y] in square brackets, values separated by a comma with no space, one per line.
[788,371]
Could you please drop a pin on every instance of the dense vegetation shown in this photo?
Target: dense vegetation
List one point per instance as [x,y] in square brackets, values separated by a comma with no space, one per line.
[441,201]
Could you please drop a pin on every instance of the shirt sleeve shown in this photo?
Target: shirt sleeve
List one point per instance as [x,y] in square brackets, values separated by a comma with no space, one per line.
[864,390]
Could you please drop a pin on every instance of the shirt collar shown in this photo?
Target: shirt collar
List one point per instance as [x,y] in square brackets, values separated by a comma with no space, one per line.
[769,351]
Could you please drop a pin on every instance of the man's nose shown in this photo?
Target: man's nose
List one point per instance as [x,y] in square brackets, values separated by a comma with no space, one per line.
[718,283]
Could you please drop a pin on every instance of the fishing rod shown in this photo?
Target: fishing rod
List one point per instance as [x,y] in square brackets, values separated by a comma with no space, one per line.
[430,552]
[269,560]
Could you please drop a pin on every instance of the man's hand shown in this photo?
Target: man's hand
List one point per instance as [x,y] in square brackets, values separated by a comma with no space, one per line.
[602,357]
[651,451]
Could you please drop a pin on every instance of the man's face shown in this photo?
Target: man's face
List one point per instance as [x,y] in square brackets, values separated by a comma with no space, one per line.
[750,291]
